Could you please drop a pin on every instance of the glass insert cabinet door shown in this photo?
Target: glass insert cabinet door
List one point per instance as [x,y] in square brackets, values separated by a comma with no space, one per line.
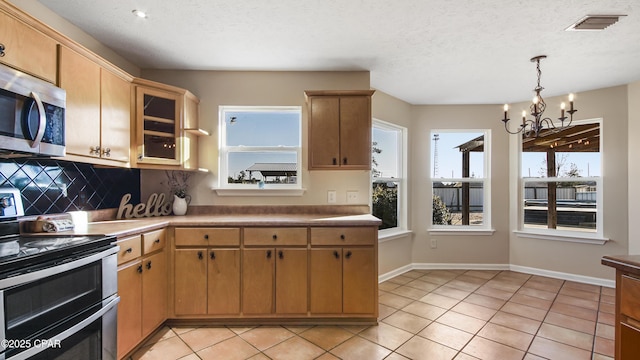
[158,122]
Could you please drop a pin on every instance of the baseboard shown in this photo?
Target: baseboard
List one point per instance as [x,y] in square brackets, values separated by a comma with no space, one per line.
[522,269]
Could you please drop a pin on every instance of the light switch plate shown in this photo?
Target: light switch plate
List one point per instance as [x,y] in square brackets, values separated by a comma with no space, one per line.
[331,196]
[352,197]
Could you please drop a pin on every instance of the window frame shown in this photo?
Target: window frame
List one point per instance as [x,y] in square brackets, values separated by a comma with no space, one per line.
[486,228]
[224,150]
[594,237]
[401,164]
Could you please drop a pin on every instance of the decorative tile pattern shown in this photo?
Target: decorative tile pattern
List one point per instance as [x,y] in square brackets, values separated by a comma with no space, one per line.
[53,186]
[509,316]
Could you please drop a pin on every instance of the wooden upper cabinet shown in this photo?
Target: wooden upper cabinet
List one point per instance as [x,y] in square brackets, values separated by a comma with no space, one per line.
[27,49]
[98,113]
[339,129]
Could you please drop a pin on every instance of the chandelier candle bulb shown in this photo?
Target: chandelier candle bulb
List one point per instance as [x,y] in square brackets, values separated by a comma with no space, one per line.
[506,109]
[562,106]
[571,101]
[524,117]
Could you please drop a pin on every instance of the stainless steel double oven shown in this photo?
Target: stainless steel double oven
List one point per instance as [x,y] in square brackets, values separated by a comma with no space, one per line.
[58,294]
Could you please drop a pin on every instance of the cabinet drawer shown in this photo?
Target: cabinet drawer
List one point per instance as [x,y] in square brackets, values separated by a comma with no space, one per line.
[202,236]
[630,297]
[130,248]
[275,236]
[343,236]
[153,241]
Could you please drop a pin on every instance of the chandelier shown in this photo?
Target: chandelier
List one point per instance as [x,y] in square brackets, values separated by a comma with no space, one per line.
[533,127]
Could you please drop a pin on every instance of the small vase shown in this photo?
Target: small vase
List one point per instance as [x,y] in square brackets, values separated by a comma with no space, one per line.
[179,205]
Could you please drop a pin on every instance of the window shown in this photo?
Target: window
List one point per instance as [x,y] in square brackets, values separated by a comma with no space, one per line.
[388,177]
[564,197]
[260,147]
[459,178]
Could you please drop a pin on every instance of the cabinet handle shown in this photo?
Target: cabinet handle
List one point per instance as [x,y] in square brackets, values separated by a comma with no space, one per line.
[206,236]
[348,255]
[335,254]
[139,269]
[200,255]
[149,265]
[106,152]
[94,150]
[344,161]
[275,237]
[335,161]
[280,254]
[2,50]
[342,237]
[129,250]
[157,241]
[212,255]
[268,254]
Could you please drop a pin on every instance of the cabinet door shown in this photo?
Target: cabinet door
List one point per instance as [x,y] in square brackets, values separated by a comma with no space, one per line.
[257,281]
[158,126]
[324,132]
[355,132]
[129,317]
[116,117]
[358,281]
[326,281]
[27,49]
[629,342]
[80,77]
[223,281]
[190,291]
[291,281]
[154,291]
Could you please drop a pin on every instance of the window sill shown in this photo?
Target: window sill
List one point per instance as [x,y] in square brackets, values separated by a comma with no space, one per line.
[466,231]
[384,236]
[561,237]
[260,192]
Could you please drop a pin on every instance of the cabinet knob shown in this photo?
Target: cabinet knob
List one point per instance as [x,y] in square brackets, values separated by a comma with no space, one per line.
[280,254]
[106,152]
[94,150]
[200,255]
[274,237]
[268,254]
[149,265]
[348,255]
[342,237]
[139,269]
[157,241]
[129,250]
[344,161]
[1,50]
[335,161]
[212,255]
[206,236]
[335,254]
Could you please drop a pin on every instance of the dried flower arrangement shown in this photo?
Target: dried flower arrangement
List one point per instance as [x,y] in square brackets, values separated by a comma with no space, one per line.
[178,182]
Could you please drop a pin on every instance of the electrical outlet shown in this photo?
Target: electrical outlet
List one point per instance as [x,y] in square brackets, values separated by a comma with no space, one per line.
[331,196]
[434,243]
[352,197]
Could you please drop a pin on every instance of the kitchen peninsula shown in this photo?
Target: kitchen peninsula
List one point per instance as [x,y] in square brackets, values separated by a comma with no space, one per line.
[244,265]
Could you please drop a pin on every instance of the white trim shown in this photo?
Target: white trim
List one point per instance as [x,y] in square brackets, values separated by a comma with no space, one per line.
[564,276]
[392,234]
[573,237]
[522,269]
[461,231]
[259,192]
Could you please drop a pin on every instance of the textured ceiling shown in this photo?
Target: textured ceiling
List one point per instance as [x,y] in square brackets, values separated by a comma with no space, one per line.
[421,51]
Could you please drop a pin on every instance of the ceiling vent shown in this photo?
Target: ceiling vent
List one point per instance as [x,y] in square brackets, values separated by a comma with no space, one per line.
[594,22]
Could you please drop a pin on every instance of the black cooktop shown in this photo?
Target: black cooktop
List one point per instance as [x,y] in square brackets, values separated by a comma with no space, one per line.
[24,253]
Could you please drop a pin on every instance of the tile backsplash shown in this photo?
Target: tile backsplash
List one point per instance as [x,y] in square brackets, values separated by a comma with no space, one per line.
[53,186]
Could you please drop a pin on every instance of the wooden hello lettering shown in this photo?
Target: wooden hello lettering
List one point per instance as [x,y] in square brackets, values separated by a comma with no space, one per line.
[155,206]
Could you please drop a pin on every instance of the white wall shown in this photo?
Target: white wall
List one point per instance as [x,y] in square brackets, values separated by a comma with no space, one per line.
[634,166]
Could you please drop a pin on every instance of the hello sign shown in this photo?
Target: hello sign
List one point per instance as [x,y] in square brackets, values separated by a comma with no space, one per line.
[155,206]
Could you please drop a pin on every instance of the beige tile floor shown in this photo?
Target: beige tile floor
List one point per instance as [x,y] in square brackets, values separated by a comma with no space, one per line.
[441,314]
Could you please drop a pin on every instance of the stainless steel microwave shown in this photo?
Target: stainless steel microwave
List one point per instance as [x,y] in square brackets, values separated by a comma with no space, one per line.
[32,116]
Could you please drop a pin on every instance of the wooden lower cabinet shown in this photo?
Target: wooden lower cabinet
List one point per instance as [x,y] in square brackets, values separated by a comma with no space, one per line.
[223,282]
[129,319]
[258,272]
[291,281]
[341,281]
[154,292]
[190,290]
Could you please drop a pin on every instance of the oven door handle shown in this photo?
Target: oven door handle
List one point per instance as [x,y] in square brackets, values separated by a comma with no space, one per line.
[56,269]
[112,302]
